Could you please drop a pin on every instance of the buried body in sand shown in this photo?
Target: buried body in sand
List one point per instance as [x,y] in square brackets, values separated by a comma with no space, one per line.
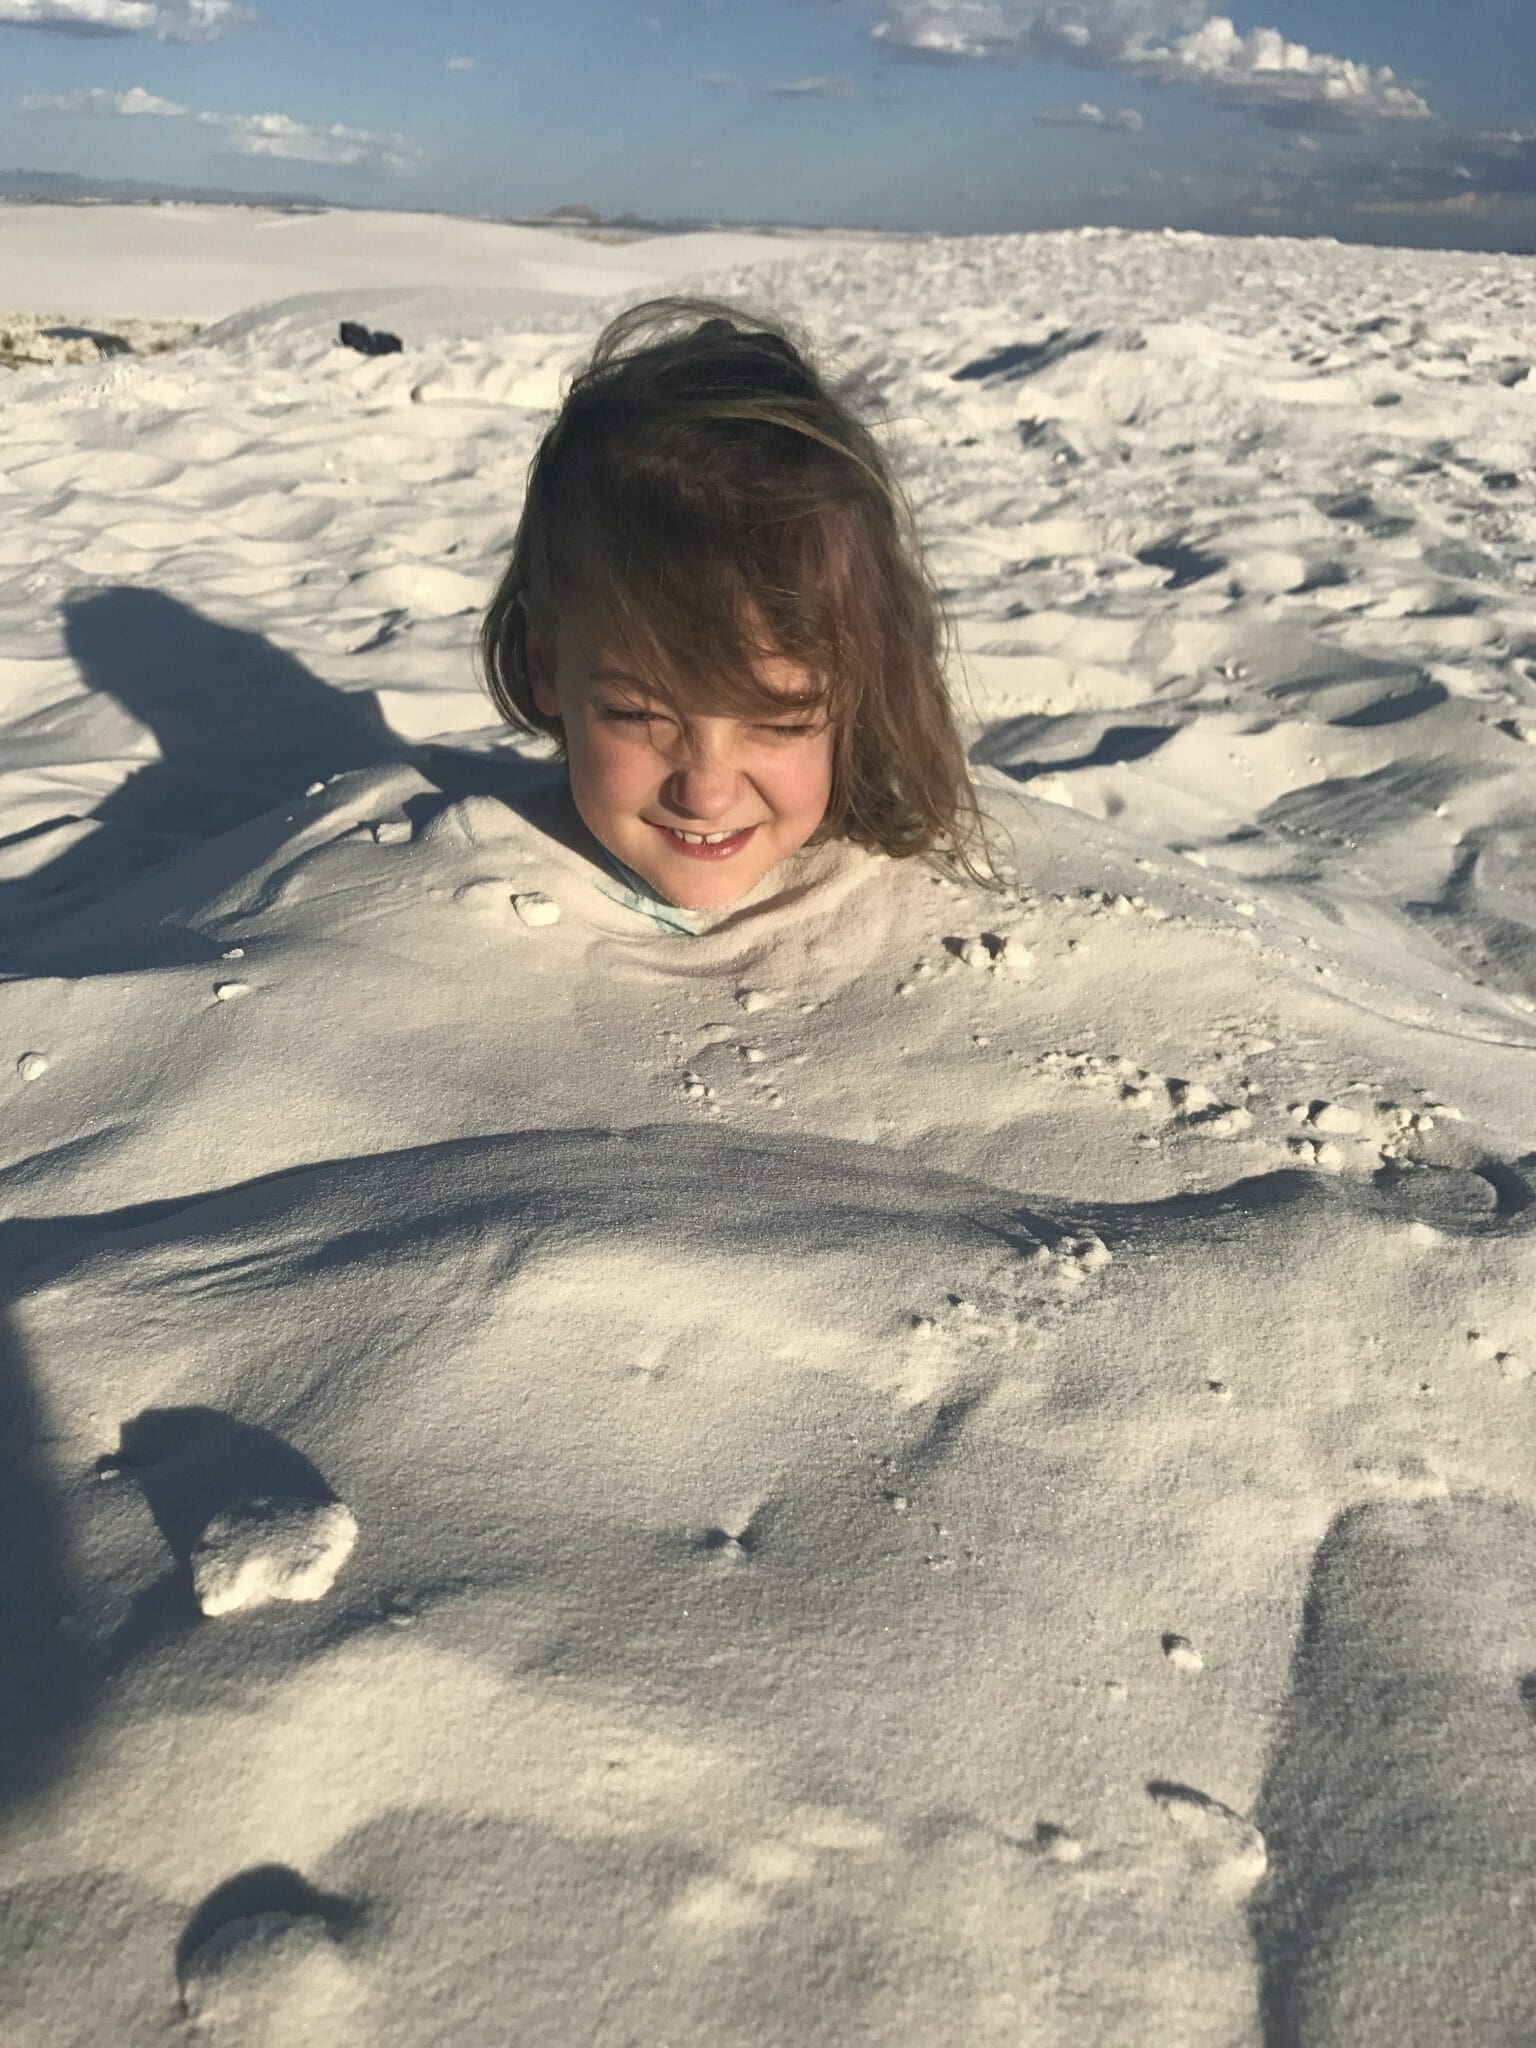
[850,1447]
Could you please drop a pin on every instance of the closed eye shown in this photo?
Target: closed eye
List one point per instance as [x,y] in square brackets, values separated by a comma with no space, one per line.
[617,716]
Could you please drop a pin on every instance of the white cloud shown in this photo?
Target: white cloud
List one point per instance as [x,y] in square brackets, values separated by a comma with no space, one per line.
[174,21]
[812,89]
[1166,42]
[135,101]
[789,89]
[461,64]
[1442,185]
[1460,206]
[277,135]
[269,135]
[1087,115]
[1450,174]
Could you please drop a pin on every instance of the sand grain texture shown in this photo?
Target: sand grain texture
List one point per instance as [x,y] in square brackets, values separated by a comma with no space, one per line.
[926,1466]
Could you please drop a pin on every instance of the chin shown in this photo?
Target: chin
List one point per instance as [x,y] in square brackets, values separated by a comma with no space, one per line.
[720,897]
[706,888]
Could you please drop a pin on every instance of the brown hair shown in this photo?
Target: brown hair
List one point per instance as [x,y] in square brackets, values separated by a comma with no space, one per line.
[703,501]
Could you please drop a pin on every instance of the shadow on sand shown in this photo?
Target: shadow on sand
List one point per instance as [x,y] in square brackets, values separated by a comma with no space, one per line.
[1400,1798]
[240,727]
[243,731]
[188,1464]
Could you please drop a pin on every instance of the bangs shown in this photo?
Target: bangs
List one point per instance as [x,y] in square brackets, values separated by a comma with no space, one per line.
[730,696]
[695,640]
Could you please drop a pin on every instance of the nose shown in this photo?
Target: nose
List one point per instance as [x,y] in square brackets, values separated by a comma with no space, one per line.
[703,782]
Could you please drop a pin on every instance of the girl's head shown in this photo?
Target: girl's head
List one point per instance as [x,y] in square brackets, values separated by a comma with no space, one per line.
[717,607]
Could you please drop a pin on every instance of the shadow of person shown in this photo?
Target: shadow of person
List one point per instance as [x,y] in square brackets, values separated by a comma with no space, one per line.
[42,1676]
[50,1668]
[537,789]
[1400,1800]
[239,727]
[58,1647]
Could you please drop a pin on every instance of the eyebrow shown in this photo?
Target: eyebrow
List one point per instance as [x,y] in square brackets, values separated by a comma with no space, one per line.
[792,700]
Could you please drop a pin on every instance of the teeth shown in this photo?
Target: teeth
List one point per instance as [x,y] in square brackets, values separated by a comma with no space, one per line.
[704,838]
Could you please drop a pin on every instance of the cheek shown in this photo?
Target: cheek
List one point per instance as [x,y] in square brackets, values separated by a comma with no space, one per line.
[612,769]
[810,781]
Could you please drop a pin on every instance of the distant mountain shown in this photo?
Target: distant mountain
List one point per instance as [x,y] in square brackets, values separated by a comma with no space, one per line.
[65,188]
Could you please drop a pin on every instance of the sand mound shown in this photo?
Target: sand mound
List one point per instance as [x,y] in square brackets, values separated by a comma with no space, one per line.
[723,1499]
[920,1465]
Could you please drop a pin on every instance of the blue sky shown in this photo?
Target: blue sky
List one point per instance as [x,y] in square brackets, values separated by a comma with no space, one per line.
[1391,120]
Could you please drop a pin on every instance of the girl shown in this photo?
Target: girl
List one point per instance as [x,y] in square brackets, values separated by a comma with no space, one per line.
[717,608]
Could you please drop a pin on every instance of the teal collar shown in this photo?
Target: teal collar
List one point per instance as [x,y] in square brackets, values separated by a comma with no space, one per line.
[640,896]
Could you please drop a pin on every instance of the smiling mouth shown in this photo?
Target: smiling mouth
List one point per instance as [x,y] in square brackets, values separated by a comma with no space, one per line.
[695,846]
[701,838]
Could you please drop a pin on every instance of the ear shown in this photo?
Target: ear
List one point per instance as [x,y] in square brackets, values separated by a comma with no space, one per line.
[539,679]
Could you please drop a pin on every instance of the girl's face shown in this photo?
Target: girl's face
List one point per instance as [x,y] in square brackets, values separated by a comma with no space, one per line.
[640,784]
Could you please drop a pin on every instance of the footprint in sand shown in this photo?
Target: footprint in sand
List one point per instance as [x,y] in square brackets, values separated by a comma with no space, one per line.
[492,896]
[1326,1157]
[1219,1840]
[1182,1654]
[268,1550]
[274,1980]
[992,953]
[1397,1474]
[1056,1843]
[1510,1363]
[535,909]
[697,1089]
[1196,1108]
[719,1042]
[959,1319]
[734,1540]
[1332,1119]
[1072,1259]
[488,897]
[1201,1111]
[764,1081]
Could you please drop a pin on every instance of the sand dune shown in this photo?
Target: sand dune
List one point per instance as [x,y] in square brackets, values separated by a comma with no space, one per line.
[918,1466]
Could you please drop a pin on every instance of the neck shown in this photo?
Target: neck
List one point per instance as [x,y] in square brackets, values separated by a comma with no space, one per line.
[664,911]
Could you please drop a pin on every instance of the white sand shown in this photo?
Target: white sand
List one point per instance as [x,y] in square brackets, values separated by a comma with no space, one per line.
[925,1469]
